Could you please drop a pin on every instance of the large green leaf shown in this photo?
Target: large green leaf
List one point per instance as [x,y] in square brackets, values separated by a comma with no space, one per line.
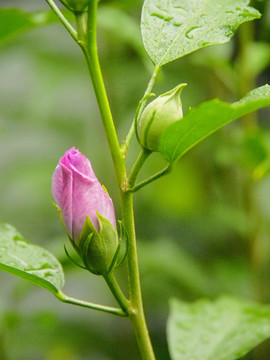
[31,262]
[222,330]
[207,118]
[174,28]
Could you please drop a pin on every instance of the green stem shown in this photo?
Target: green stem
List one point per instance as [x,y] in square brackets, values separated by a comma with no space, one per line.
[134,308]
[136,314]
[246,80]
[81,24]
[117,292]
[158,175]
[89,48]
[143,155]
[140,108]
[69,300]
[63,20]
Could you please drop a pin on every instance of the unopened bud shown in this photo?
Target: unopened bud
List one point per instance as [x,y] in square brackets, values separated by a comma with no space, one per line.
[158,116]
[87,212]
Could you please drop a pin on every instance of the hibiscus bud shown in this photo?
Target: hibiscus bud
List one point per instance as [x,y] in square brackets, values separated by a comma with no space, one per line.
[75,5]
[87,211]
[158,116]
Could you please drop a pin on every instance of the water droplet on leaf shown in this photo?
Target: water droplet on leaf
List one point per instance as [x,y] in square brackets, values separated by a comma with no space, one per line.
[191,33]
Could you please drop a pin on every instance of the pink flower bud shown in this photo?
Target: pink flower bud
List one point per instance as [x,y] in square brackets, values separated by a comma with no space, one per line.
[78,193]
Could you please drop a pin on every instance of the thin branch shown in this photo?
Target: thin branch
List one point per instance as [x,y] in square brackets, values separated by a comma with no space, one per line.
[143,155]
[92,59]
[69,300]
[63,20]
[161,173]
[117,292]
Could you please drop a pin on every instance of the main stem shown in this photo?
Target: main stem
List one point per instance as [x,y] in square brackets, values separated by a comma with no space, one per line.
[89,47]
[136,314]
[135,306]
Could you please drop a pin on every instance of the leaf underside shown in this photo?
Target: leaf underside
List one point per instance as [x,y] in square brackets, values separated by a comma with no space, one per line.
[222,330]
[208,117]
[31,262]
[174,28]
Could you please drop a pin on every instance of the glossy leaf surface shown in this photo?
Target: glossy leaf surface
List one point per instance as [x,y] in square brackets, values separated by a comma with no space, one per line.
[208,117]
[222,330]
[31,262]
[174,28]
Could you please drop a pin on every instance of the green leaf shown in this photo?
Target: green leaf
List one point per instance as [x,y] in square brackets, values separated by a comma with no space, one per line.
[14,22]
[174,28]
[31,262]
[222,330]
[210,116]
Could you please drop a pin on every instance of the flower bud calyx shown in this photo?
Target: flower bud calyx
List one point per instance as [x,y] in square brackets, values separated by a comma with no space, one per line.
[158,116]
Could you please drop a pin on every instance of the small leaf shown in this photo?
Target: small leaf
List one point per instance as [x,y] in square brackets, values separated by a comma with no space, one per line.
[210,116]
[222,330]
[117,22]
[14,21]
[174,28]
[31,262]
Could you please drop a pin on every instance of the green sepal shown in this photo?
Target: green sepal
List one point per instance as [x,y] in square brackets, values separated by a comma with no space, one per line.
[72,260]
[88,228]
[114,265]
[85,252]
[75,5]
[139,111]
[123,235]
[62,221]
[119,256]
[98,248]
[157,116]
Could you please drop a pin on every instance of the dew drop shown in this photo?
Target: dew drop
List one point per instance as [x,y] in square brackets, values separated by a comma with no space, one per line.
[21,244]
[192,32]
[179,7]
[227,31]
[245,13]
[162,16]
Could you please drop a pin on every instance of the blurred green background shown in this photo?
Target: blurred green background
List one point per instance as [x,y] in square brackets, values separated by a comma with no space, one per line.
[202,231]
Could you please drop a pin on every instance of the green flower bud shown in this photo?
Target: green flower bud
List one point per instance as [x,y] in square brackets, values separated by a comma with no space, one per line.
[99,249]
[158,116]
[75,5]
